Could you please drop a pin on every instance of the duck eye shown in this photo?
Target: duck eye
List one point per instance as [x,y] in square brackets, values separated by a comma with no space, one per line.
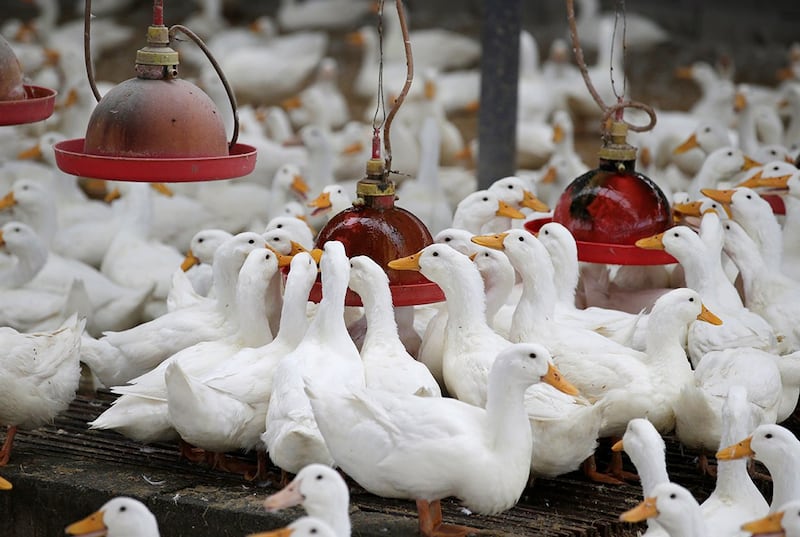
[122,508]
[707,129]
[447,239]
[201,239]
[676,234]
[313,531]
[279,226]
[532,355]
[749,197]
[435,254]
[691,299]
[510,187]
[521,239]
[485,199]
[251,241]
[546,231]
[319,477]
[730,153]
[17,230]
[673,496]
[768,435]
[267,256]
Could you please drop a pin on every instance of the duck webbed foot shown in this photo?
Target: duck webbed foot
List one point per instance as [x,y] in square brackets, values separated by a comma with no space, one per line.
[589,468]
[5,451]
[430,522]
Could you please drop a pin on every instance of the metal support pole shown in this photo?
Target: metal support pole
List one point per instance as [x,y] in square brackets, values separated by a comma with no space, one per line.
[497,118]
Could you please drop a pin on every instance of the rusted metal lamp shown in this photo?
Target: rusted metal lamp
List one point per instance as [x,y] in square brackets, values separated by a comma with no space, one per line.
[156,127]
[375,227]
[20,103]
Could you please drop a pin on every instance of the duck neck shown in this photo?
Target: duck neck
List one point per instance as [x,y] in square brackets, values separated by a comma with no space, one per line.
[381,323]
[251,310]
[766,232]
[536,306]
[652,472]
[747,130]
[785,485]
[320,165]
[138,211]
[752,268]
[664,349]
[464,298]
[505,410]
[42,216]
[30,260]
[273,298]
[498,286]
[335,512]
[328,324]
[294,320]
[225,273]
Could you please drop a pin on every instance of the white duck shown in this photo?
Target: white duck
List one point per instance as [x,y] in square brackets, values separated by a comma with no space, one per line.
[674,508]
[429,448]
[199,258]
[516,193]
[703,272]
[119,517]
[387,363]
[779,450]
[297,228]
[754,214]
[786,178]
[141,412]
[118,357]
[238,389]
[326,355]
[645,447]
[735,499]
[766,292]
[468,351]
[322,492]
[113,307]
[478,208]
[332,200]
[720,165]
[38,376]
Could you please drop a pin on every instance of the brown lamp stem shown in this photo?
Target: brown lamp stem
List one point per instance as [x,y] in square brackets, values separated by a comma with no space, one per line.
[87,51]
[409,78]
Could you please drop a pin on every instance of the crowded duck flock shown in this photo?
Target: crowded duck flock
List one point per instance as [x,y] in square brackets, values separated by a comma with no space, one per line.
[190,301]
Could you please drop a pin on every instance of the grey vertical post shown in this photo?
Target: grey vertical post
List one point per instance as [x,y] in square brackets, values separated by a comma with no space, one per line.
[497,118]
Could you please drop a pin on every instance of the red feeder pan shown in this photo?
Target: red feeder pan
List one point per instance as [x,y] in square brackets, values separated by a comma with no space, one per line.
[71,158]
[38,106]
[612,254]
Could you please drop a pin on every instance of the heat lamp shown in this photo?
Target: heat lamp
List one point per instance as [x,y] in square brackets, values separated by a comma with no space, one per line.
[155,126]
[609,208]
[20,103]
[375,227]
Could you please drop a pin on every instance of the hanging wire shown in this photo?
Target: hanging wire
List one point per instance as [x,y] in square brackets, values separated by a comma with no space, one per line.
[407,86]
[380,106]
[620,9]
[87,51]
[617,108]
